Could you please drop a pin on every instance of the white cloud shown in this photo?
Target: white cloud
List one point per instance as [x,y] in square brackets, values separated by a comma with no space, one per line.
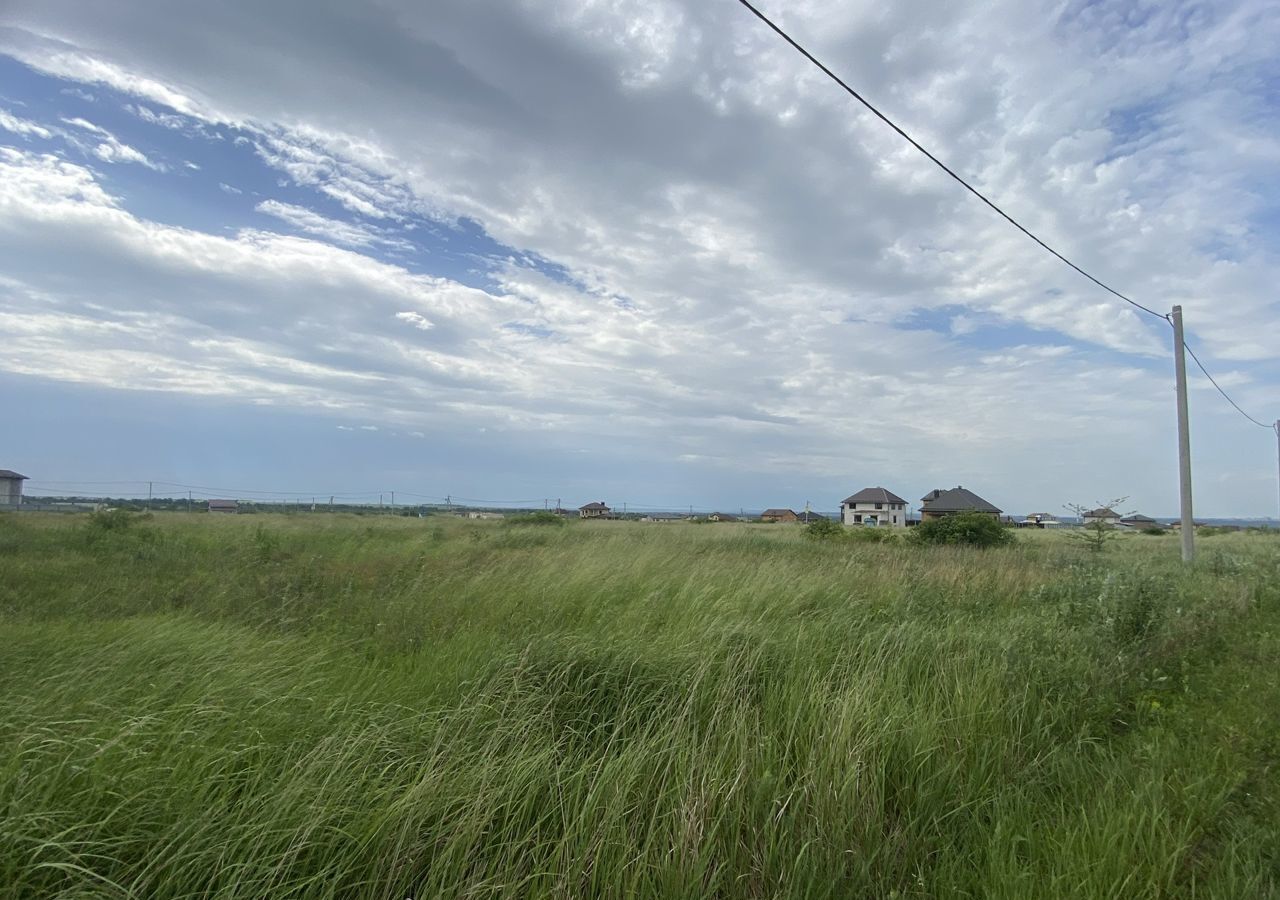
[350,234]
[110,149]
[23,127]
[417,320]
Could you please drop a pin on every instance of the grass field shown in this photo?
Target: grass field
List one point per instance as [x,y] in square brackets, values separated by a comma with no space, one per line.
[335,706]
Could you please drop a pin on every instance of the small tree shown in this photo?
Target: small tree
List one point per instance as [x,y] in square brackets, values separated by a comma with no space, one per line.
[973,528]
[1097,534]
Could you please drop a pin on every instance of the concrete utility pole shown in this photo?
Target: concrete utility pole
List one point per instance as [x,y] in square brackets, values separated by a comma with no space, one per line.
[148,495]
[1278,458]
[1184,440]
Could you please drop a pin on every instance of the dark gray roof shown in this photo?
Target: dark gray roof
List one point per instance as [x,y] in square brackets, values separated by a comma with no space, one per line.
[778,512]
[1138,517]
[955,500]
[874,495]
[9,473]
[594,505]
[1102,511]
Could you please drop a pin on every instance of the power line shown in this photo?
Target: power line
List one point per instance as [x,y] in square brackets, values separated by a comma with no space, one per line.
[1222,392]
[940,164]
[944,167]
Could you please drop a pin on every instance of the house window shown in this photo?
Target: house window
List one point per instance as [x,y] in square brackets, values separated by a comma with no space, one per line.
[879,506]
[858,519]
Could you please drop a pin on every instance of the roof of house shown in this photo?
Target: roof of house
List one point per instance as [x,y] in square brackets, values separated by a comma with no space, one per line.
[1101,512]
[223,504]
[874,495]
[955,500]
[594,505]
[810,516]
[1138,517]
[724,517]
[9,473]
[777,512]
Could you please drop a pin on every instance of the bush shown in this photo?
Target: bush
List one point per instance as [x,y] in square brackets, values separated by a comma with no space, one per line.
[540,517]
[115,519]
[971,528]
[824,530]
[1154,531]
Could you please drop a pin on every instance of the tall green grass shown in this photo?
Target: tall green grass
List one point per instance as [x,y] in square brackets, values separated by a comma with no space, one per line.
[346,707]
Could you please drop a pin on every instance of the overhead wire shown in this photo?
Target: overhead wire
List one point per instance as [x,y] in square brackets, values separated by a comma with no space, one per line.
[971,189]
[1214,382]
[940,164]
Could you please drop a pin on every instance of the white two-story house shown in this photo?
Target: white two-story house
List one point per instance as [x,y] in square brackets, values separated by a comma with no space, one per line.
[875,507]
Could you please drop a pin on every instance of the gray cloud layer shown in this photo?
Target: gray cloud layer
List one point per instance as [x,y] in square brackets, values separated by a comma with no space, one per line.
[747,244]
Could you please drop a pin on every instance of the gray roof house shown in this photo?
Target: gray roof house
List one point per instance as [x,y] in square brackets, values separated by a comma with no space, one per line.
[1103,514]
[938,503]
[874,506]
[11,489]
[594,510]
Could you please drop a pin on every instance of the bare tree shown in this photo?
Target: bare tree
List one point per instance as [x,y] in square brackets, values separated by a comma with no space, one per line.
[1096,534]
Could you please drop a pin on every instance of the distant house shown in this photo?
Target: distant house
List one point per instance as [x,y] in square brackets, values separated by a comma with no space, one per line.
[721,517]
[938,503]
[874,507]
[662,517]
[596,510]
[809,516]
[1040,520]
[224,506]
[480,514]
[779,515]
[1103,515]
[11,489]
[1140,522]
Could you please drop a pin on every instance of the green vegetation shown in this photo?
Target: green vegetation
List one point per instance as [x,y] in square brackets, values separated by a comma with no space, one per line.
[973,529]
[284,707]
[538,517]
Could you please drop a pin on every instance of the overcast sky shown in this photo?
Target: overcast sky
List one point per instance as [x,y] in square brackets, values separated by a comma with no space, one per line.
[637,250]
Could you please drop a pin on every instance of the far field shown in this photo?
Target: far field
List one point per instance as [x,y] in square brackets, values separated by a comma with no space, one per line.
[381,707]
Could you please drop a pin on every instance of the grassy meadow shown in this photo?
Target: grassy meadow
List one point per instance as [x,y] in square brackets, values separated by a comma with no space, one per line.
[382,707]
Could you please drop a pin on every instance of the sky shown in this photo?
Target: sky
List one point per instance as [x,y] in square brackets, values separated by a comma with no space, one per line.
[637,251]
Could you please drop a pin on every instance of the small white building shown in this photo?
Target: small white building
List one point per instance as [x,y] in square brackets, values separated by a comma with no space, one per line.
[874,507]
[10,489]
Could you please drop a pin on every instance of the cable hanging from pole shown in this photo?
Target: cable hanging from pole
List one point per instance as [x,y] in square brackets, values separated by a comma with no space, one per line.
[971,189]
[1200,365]
[940,164]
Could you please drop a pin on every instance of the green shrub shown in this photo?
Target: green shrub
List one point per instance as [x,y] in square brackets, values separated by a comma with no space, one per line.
[1154,531]
[540,517]
[972,528]
[824,530]
[115,519]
